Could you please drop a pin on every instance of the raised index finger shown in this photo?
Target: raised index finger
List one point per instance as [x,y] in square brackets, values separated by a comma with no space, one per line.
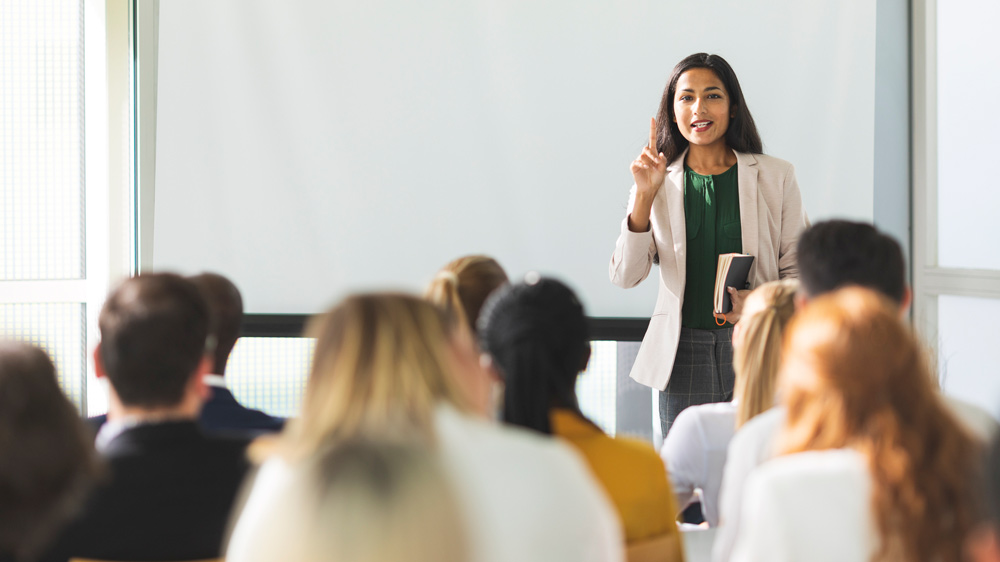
[652,134]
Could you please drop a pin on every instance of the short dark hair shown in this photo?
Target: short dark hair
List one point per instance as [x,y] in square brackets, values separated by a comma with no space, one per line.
[537,336]
[226,305]
[153,333]
[741,135]
[47,458]
[839,253]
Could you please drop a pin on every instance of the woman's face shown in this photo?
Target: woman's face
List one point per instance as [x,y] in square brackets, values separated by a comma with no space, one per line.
[701,107]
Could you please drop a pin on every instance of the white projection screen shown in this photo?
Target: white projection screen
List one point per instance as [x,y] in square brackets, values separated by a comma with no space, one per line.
[310,148]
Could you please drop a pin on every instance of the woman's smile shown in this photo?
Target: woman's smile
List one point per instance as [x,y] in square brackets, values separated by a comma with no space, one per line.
[701,126]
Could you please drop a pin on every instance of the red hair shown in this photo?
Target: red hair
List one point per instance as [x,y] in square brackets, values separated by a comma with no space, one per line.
[854,376]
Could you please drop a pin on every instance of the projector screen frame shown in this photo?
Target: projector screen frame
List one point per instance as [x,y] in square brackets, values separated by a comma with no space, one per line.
[293,326]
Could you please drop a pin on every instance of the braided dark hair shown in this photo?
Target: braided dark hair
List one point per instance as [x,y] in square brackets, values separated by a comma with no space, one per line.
[537,336]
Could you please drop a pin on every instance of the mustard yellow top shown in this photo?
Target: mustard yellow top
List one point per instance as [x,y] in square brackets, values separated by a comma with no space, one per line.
[631,472]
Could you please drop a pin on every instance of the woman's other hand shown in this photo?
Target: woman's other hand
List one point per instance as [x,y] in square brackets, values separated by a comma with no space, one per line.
[737,297]
[648,171]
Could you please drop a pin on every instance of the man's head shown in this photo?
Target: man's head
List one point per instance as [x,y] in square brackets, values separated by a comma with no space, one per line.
[226,306]
[839,253]
[153,333]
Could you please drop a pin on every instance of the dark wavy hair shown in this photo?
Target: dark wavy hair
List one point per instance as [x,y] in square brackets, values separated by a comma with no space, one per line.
[47,458]
[741,135]
[536,334]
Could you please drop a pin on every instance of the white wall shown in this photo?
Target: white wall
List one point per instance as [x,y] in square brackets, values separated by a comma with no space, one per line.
[308,148]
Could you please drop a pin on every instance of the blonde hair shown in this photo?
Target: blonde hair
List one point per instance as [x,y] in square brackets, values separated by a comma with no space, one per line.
[364,501]
[462,286]
[382,363]
[854,376]
[757,358]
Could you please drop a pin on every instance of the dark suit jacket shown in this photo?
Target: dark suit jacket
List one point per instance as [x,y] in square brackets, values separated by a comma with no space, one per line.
[168,496]
[223,414]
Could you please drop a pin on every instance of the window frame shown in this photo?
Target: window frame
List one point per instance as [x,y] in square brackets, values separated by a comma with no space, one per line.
[930,280]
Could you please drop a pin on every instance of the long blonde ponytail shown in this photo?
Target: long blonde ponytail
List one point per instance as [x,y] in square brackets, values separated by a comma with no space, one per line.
[757,359]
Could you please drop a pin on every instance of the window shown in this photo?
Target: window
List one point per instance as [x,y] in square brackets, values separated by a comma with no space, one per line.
[956,267]
[55,149]
[270,374]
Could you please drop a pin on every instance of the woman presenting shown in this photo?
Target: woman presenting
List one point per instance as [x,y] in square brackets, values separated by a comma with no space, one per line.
[702,188]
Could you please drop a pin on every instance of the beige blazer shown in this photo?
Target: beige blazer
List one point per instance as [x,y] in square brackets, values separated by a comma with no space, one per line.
[771,216]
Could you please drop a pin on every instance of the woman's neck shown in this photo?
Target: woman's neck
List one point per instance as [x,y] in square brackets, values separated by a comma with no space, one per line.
[710,160]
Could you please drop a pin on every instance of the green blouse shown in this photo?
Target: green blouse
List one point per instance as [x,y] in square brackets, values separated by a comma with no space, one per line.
[712,214]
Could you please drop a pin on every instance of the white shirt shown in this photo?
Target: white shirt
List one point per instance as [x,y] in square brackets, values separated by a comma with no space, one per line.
[753,444]
[813,506]
[529,498]
[695,454]
[216,381]
[525,497]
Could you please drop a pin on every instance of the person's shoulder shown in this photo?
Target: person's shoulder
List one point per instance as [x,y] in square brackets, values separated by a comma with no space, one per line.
[227,441]
[273,473]
[705,413]
[639,456]
[479,445]
[500,469]
[222,412]
[710,424]
[634,446]
[768,162]
[764,422]
[227,447]
[221,453]
[471,433]
[831,473]
[825,462]
[756,436]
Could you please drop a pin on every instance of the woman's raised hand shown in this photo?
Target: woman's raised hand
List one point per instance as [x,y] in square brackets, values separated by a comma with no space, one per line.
[648,170]
[650,167]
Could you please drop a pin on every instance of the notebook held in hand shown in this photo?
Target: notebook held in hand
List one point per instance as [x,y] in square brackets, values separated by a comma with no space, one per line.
[733,271]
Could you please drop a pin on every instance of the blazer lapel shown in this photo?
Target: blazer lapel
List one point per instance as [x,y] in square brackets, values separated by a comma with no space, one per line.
[673,192]
[747,173]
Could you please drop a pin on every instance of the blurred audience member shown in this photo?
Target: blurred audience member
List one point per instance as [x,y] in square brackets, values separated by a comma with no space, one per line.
[47,458]
[832,255]
[222,412]
[536,336]
[461,288]
[386,367]
[464,284]
[873,465]
[364,501]
[695,449]
[171,487]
